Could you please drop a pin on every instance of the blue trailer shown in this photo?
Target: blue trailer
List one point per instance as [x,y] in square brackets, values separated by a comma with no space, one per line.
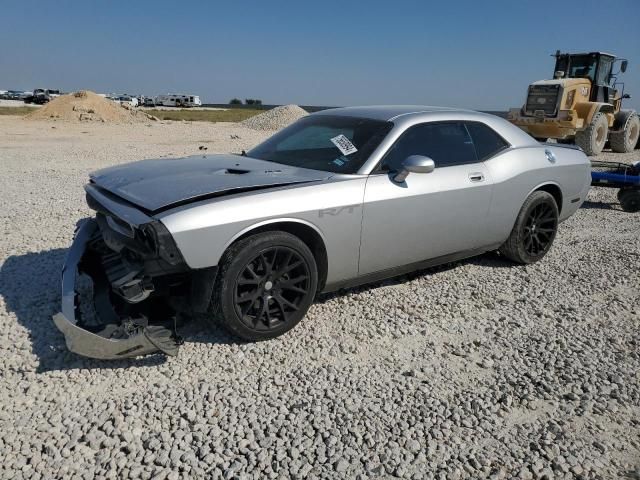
[622,176]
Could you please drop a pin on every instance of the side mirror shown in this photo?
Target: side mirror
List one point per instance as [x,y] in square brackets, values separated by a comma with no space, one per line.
[623,66]
[414,164]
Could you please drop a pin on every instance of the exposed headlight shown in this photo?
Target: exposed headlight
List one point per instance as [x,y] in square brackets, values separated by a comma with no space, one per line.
[157,237]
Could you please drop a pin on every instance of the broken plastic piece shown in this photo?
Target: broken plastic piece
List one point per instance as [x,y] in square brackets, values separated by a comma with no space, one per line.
[111,341]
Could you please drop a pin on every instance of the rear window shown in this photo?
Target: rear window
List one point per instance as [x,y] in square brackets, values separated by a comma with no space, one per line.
[486,141]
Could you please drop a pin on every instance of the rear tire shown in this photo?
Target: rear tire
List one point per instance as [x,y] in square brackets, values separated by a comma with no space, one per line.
[629,200]
[264,286]
[625,139]
[534,230]
[593,138]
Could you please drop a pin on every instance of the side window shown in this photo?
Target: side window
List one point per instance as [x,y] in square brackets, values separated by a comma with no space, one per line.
[604,69]
[487,142]
[445,143]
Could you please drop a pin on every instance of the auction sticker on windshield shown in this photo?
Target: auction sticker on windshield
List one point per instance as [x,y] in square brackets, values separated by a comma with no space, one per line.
[344,145]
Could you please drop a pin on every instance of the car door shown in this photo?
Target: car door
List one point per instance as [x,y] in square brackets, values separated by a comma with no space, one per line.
[429,215]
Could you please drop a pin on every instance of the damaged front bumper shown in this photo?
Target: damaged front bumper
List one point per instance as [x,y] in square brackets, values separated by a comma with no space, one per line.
[112,338]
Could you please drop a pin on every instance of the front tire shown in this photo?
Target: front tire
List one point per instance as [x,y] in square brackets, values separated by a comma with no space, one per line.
[265,285]
[593,138]
[534,230]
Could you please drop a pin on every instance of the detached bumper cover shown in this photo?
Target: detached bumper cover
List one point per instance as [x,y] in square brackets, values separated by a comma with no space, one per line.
[110,341]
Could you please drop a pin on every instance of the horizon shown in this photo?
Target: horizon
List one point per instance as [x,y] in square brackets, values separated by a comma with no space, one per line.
[330,55]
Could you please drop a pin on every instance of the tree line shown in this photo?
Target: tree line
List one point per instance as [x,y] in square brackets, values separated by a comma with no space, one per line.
[247,101]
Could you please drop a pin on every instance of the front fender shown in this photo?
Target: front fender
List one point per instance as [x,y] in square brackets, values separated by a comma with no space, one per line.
[333,210]
[587,110]
[273,221]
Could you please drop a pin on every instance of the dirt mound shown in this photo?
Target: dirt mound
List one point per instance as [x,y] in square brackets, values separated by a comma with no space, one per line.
[276,118]
[85,106]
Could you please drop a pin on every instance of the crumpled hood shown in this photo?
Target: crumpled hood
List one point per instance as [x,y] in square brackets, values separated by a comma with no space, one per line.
[159,184]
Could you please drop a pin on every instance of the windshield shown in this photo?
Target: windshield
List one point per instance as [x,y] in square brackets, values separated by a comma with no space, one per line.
[324,142]
[577,66]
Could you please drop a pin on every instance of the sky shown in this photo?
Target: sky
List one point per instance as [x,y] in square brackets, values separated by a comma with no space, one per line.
[470,54]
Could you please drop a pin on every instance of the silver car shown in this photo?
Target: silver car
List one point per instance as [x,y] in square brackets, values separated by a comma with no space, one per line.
[342,197]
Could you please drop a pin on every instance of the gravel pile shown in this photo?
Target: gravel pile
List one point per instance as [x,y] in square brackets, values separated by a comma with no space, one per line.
[475,370]
[276,118]
[85,106]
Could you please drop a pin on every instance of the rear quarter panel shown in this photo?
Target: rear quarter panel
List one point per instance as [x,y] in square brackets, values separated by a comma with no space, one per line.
[519,171]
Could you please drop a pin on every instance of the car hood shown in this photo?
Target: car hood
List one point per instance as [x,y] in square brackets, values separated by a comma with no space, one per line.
[164,183]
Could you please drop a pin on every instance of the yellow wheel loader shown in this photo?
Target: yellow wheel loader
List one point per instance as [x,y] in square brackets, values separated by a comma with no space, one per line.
[582,104]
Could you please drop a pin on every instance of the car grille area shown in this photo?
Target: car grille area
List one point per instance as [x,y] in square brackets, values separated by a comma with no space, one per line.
[542,100]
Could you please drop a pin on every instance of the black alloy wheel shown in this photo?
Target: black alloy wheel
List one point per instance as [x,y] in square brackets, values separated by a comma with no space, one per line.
[271,288]
[539,229]
[534,230]
[264,285]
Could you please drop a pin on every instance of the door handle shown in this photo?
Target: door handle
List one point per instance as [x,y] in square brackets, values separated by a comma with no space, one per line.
[476,177]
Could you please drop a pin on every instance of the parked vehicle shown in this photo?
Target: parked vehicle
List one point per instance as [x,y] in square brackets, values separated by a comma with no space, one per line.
[131,101]
[149,102]
[126,100]
[340,198]
[178,100]
[13,94]
[40,96]
[581,105]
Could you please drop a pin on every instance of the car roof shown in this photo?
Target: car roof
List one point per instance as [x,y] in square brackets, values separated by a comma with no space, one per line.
[404,116]
[386,112]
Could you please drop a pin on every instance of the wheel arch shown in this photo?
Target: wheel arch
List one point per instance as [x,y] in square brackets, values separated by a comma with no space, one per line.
[588,110]
[554,190]
[306,231]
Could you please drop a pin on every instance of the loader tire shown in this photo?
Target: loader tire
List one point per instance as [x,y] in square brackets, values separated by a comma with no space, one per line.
[593,138]
[625,139]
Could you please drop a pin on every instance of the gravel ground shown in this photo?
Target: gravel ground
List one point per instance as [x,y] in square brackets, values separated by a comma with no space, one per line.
[475,370]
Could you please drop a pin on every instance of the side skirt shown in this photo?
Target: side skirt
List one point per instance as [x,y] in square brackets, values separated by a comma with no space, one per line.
[404,269]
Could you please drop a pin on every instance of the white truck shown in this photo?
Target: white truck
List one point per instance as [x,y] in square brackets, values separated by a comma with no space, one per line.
[129,100]
[178,100]
[122,99]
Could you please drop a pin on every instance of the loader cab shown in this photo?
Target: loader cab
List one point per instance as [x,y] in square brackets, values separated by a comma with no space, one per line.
[597,67]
